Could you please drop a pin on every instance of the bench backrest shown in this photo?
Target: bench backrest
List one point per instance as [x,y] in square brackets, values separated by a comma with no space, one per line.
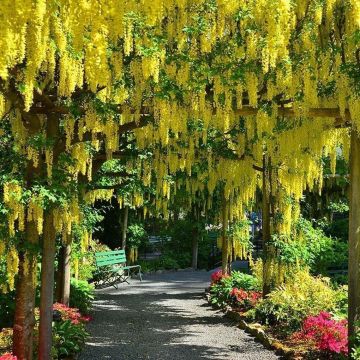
[106,258]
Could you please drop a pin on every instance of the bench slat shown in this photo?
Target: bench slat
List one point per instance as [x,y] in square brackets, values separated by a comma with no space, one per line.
[113,260]
[106,253]
[106,263]
[113,257]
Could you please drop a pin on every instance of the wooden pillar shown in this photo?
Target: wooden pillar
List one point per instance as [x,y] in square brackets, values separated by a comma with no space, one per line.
[48,258]
[124,227]
[24,320]
[47,288]
[195,251]
[225,244]
[195,239]
[354,237]
[66,274]
[266,228]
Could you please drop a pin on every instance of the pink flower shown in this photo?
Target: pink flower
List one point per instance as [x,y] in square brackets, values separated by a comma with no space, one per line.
[325,333]
[72,314]
[8,356]
[86,318]
[244,298]
[217,276]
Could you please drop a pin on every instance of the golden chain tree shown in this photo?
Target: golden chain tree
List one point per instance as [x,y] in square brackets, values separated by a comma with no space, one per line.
[75,74]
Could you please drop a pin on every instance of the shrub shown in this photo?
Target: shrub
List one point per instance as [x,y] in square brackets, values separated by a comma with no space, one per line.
[325,333]
[222,286]
[245,281]
[245,299]
[220,291]
[6,339]
[299,298]
[81,295]
[69,332]
[68,338]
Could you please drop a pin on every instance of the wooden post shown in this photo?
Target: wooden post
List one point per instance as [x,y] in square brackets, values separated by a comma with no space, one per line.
[354,238]
[266,227]
[65,285]
[225,245]
[195,251]
[195,239]
[124,227]
[47,288]
[48,258]
[24,320]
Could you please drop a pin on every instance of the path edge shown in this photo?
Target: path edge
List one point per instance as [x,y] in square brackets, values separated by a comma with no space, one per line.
[255,330]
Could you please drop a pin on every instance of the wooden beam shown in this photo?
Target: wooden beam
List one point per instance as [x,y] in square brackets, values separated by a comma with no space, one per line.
[244,111]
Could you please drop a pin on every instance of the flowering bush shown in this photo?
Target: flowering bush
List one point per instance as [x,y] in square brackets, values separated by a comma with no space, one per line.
[245,299]
[6,340]
[69,331]
[217,276]
[8,356]
[302,296]
[325,333]
[71,314]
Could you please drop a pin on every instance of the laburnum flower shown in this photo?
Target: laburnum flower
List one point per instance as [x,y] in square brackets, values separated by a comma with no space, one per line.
[325,333]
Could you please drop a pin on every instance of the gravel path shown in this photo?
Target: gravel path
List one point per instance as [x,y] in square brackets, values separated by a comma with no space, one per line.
[165,317]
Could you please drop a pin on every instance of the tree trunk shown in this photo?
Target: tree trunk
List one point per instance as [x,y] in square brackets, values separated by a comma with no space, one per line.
[64,275]
[266,230]
[195,251]
[59,276]
[24,320]
[195,239]
[47,288]
[354,238]
[225,245]
[124,227]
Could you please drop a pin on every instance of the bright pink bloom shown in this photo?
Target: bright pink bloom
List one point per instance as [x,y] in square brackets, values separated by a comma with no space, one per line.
[87,318]
[217,276]
[8,356]
[72,314]
[326,333]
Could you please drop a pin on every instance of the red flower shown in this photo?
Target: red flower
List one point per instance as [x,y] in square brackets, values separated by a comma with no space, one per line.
[217,276]
[325,333]
[8,356]
[244,298]
[72,314]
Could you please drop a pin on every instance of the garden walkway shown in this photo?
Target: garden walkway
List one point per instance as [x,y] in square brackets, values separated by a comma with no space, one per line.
[165,317]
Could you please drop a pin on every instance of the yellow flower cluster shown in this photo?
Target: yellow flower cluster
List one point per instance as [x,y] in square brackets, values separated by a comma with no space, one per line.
[35,212]
[12,199]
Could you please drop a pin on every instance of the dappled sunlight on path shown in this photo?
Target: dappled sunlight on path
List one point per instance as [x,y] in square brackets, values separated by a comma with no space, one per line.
[165,317]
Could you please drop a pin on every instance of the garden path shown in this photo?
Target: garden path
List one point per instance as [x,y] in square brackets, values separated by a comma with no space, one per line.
[165,317]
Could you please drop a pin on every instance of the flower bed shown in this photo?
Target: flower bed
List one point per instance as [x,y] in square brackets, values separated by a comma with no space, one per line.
[69,334]
[303,318]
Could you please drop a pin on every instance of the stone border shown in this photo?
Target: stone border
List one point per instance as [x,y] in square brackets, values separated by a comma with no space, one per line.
[257,331]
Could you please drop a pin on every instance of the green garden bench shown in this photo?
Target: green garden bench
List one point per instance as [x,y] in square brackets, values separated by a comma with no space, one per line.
[113,268]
